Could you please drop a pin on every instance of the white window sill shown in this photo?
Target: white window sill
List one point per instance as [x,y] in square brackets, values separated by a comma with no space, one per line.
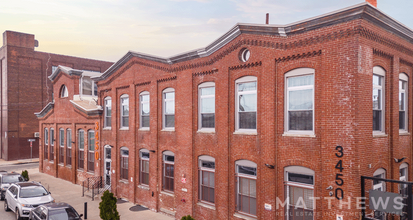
[290,134]
[206,205]
[206,131]
[404,133]
[51,161]
[144,129]
[379,135]
[80,170]
[167,193]
[91,173]
[243,132]
[61,165]
[124,181]
[124,129]
[242,216]
[168,129]
[143,187]
[107,129]
[69,166]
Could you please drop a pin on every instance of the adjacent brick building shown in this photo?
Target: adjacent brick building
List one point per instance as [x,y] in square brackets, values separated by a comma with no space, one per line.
[25,89]
[265,114]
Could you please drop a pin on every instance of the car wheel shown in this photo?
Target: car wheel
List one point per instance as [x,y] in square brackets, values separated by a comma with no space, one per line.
[6,206]
[18,214]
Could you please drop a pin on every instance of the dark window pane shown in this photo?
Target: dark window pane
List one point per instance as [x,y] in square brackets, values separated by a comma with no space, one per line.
[247,170]
[376,120]
[300,120]
[248,120]
[125,121]
[301,178]
[169,158]
[208,120]
[169,121]
[402,120]
[208,164]
[145,121]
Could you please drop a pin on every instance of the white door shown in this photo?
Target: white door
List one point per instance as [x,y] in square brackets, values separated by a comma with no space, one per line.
[108,163]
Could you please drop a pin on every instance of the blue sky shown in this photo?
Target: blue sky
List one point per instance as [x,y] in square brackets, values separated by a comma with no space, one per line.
[108,29]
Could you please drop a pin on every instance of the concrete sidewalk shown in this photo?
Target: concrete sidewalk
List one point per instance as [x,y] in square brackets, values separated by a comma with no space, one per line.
[64,191]
[5,162]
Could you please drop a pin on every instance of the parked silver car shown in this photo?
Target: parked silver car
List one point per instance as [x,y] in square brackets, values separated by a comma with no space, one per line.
[6,179]
[23,197]
[54,211]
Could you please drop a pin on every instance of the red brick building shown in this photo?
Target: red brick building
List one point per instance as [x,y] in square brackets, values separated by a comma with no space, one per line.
[262,120]
[25,90]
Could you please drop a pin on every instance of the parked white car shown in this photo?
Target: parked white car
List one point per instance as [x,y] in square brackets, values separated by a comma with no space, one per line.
[22,197]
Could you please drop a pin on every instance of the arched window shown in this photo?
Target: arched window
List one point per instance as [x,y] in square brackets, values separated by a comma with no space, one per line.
[168,160]
[206,166]
[51,146]
[403,176]
[124,111]
[246,104]
[91,151]
[108,112]
[124,163]
[144,109]
[64,92]
[206,106]
[380,186]
[168,113]
[299,101]
[378,99]
[46,143]
[403,103]
[246,175]
[144,167]
[81,154]
[61,145]
[299,185]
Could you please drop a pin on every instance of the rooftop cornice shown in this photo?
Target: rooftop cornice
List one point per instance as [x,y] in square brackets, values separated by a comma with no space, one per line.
[360,11]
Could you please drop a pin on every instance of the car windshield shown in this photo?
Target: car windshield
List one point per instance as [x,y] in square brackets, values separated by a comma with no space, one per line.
[12,178]
[33,192]
[63,214]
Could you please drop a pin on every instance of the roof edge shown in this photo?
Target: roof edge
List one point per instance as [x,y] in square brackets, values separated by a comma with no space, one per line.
[45,110]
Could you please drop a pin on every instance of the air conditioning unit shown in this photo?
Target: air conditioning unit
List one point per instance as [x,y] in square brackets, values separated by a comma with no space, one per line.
[36,134]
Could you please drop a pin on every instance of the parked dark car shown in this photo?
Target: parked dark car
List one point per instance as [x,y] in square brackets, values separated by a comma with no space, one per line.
[54,211]
[6,179]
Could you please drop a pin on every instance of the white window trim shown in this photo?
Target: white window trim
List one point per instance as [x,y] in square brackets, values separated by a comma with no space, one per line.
[105,113]
[167,90]
[404,166]
[46,137]
[81,87]
[143,150]
[51,137]
[381,72]
[61,130]
[382,173]
[403,77]
[124,96]
[293,73]
[140,109]
[201,86]
[246,163]
[64,92]
[245,79]
[69,143]
[200,159]
[168,153]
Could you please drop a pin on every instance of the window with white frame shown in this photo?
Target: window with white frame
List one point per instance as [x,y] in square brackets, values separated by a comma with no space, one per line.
[206,166]
[68,147]
[168,97]
[124,163]
[89,87]
[299,85]
[144,167]
[51,144]
[61,145]
[54,68]
[378,99]
[108,112]
[64,92]
[168,160]
[246,103]
[81,154]
[299,191]
[124,111]
[46,143]
[91,151]
[380,186]
[246,183]
[403,102]
[144,109]
[206,105]
[403,176]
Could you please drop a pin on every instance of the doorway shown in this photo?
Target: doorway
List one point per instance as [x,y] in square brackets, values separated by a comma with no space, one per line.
[108,164]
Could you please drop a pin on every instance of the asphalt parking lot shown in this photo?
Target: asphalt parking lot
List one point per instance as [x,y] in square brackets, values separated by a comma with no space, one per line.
[64,191]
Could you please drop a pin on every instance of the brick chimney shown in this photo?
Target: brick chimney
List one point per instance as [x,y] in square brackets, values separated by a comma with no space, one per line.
[372,2]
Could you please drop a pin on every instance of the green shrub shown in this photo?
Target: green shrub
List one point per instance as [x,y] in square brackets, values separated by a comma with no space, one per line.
[25,175]
[107,207]
[188,217]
